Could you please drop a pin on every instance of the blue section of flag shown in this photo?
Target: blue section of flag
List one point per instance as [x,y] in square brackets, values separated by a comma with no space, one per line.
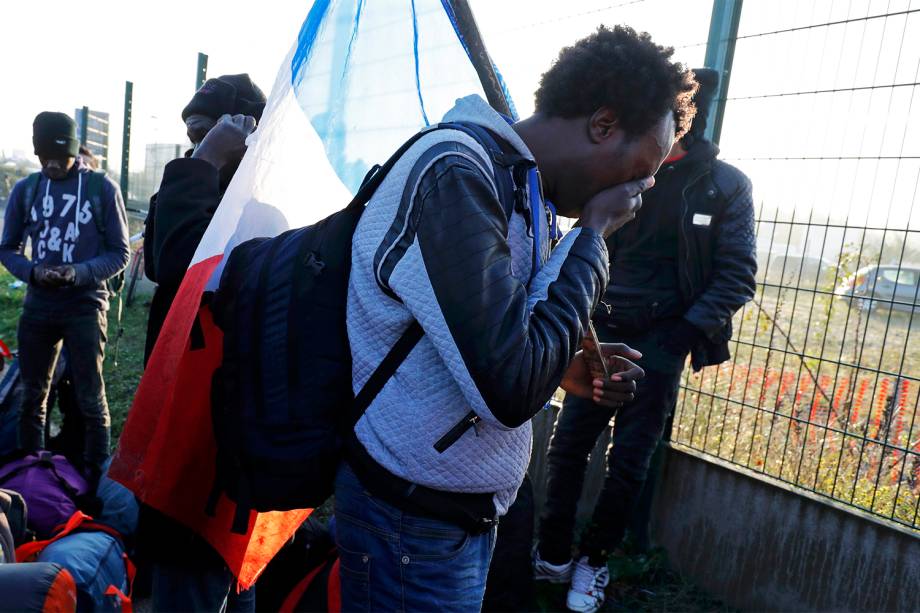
[370,73]
[308,35]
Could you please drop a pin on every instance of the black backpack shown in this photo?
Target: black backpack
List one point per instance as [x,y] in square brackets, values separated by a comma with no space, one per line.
[282,397]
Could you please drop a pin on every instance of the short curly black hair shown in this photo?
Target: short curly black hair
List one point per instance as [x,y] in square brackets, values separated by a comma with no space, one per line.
[625,71]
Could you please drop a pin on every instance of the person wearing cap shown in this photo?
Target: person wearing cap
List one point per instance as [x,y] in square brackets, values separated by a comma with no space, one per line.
[219,117]
[76,224]
[187,573]
[678,274]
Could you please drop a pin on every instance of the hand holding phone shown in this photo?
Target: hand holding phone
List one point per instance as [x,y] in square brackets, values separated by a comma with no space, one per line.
[603,373]
[598,362]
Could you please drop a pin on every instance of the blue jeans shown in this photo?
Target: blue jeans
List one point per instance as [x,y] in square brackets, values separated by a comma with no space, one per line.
[636,433]
[394,561]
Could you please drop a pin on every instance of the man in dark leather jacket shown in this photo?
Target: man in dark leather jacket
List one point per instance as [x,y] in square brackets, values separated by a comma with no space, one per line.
[678,273]
[187,573]
[704,208]
[218,119]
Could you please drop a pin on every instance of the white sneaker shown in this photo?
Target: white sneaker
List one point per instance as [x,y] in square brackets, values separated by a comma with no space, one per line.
[588,582]
[553,573]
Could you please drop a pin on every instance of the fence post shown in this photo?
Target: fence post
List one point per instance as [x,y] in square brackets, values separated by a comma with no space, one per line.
[720,53]
[126,139]
[201,73]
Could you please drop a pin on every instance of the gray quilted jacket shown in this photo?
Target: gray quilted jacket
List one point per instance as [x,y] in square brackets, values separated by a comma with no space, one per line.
[436,245]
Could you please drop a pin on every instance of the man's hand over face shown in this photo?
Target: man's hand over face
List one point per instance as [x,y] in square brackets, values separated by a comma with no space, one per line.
[614,207]
[226,141]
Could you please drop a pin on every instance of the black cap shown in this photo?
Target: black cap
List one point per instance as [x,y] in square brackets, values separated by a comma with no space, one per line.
[234,94]
[54,136]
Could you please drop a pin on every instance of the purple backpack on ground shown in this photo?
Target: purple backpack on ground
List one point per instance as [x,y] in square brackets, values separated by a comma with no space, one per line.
[50,486]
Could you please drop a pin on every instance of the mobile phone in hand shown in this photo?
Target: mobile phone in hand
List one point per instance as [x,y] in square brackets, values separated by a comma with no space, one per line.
[597,348]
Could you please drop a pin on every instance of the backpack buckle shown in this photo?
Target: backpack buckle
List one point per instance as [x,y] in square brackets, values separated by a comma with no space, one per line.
[314,264]
[486,524]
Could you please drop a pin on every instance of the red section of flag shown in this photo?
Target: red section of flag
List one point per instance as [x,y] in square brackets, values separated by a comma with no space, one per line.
[166,452]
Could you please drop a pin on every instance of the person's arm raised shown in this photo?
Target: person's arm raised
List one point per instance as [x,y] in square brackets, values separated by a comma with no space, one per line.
[506,348]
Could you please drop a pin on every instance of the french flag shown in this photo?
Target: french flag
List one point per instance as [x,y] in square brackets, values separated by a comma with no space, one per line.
[362,77]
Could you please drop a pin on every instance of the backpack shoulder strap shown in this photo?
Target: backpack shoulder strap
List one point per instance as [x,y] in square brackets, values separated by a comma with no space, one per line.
[30,188]
[27,552]
[378,173]
[410,338]
[509,167]
[78,522]
[502,155]
[386,369]
[95,183]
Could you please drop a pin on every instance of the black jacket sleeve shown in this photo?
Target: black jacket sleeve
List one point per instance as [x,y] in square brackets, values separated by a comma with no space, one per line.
[178,217]
[150,231]
[11,255]
[507,343]
[734,263]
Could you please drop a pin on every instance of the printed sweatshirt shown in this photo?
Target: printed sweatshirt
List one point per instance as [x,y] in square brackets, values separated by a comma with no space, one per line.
[59,225]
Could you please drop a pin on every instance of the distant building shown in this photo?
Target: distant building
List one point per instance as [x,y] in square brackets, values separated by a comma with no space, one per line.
[156,156]
[97,134]
[21,155]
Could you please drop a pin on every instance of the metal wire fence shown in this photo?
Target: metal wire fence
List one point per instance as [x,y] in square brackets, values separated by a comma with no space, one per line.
[822,391]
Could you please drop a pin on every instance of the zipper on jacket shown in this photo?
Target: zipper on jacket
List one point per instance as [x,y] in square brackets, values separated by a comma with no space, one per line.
[453,435]
[683,228]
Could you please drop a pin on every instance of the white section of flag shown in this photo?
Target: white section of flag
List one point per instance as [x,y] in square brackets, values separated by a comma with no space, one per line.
[284,181]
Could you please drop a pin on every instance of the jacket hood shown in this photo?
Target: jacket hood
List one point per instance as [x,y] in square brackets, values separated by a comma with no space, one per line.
[474,109]
[708,80]
[700,151]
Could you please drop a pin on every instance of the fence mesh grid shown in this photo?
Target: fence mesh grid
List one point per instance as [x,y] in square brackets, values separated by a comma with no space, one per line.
[822,390]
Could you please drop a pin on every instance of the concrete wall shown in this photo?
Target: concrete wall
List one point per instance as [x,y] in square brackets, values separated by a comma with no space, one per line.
[757,545]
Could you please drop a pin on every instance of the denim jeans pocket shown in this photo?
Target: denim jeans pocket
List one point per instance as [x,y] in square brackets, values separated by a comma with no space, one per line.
[354,567]
[443,570]
[382,508]
[433,544]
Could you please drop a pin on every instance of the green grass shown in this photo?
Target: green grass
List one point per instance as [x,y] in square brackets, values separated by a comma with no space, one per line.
[121,380]
[10,307]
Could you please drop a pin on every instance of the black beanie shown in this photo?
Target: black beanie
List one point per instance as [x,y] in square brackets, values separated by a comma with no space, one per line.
[54,136]
[233,94]
[709,83]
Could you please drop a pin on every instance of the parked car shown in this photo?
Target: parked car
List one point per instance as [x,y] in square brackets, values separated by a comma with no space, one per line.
[792,269]
[894,287]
